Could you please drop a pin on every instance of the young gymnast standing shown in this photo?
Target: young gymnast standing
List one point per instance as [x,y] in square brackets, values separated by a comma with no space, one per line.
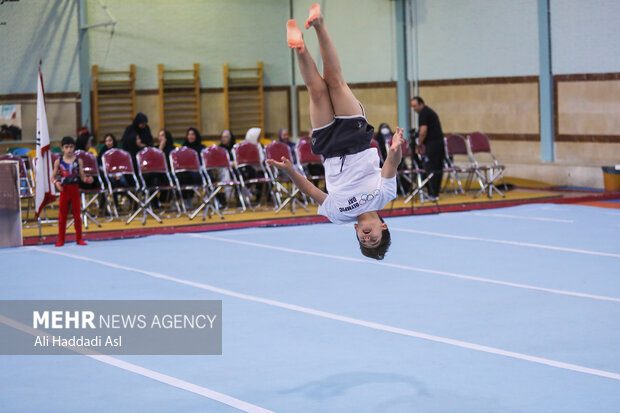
[357,187]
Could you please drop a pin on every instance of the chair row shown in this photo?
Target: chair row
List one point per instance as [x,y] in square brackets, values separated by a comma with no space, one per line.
[212,172]
[203,175]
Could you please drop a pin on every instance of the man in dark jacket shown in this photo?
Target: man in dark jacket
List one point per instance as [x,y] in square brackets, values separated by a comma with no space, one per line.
[430,143]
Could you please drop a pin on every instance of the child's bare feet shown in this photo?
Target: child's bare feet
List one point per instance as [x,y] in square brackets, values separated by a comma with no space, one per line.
[294,38]
[316,18]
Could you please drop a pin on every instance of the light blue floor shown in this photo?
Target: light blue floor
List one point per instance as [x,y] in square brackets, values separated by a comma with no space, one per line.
[531,284]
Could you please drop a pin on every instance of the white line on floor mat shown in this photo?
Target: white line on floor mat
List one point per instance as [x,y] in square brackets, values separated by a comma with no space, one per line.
[499,241]
[143,371]
[488,214]
[345,319]
[410,268]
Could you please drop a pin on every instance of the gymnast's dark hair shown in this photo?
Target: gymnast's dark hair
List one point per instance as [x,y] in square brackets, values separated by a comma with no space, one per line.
[380,250]
[67,140]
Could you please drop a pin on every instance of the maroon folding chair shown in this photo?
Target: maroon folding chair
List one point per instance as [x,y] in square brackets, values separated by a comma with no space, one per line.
[277,150]
[375,144]
[490,170]
[305,156]
[152,161]
[89,195]
[215,159]
[457,161]
[117,169]
[185,160]
[248,154]
[307,161]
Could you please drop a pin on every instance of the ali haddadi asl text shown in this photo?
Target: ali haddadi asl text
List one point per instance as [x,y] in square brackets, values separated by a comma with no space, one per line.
[78,341]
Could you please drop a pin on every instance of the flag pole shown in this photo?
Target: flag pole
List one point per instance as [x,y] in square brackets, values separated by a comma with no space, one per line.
[39,216]
[45,192]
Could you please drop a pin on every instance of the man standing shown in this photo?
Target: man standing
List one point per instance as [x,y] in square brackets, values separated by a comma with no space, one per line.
[430,143]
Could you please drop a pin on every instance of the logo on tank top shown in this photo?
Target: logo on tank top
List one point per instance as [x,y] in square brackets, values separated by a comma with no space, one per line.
[368,197]
[355,202]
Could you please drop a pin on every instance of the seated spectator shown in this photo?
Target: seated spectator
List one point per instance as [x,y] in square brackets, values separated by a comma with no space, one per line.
[193,140]
[253,135]
[109,143]
[82,143]
[285,137]
[249,172]
[384,133]
[227,141]
[165,143]
[137,136]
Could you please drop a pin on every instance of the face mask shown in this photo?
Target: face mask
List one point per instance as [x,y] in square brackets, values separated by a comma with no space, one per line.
[385,131]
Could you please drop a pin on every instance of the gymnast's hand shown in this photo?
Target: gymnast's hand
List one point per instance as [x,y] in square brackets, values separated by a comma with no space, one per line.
[397,139]
[284,164]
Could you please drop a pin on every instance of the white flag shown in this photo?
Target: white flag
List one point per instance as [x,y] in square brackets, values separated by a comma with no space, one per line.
[45,191]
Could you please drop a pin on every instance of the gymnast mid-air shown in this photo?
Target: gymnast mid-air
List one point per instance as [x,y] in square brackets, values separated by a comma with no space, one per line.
[357,187]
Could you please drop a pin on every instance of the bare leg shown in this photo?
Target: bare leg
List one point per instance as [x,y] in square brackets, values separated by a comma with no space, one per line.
[321,111]
[343,100]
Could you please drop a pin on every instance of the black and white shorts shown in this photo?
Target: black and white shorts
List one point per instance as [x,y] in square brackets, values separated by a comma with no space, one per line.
[345,135]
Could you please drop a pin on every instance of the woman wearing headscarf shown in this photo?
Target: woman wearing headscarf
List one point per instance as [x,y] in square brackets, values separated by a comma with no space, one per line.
[108,143]
[137,136]
[82,143]
[165,143]
[384,133]
[285,137]
[193,140]
[227,141]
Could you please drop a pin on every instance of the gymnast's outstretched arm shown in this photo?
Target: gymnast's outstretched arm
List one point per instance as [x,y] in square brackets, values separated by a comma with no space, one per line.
[395,155]
[300,181]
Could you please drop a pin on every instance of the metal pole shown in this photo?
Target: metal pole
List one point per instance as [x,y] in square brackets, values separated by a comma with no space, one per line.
[547,126]
[84,64]
[413,9]
[402,88]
